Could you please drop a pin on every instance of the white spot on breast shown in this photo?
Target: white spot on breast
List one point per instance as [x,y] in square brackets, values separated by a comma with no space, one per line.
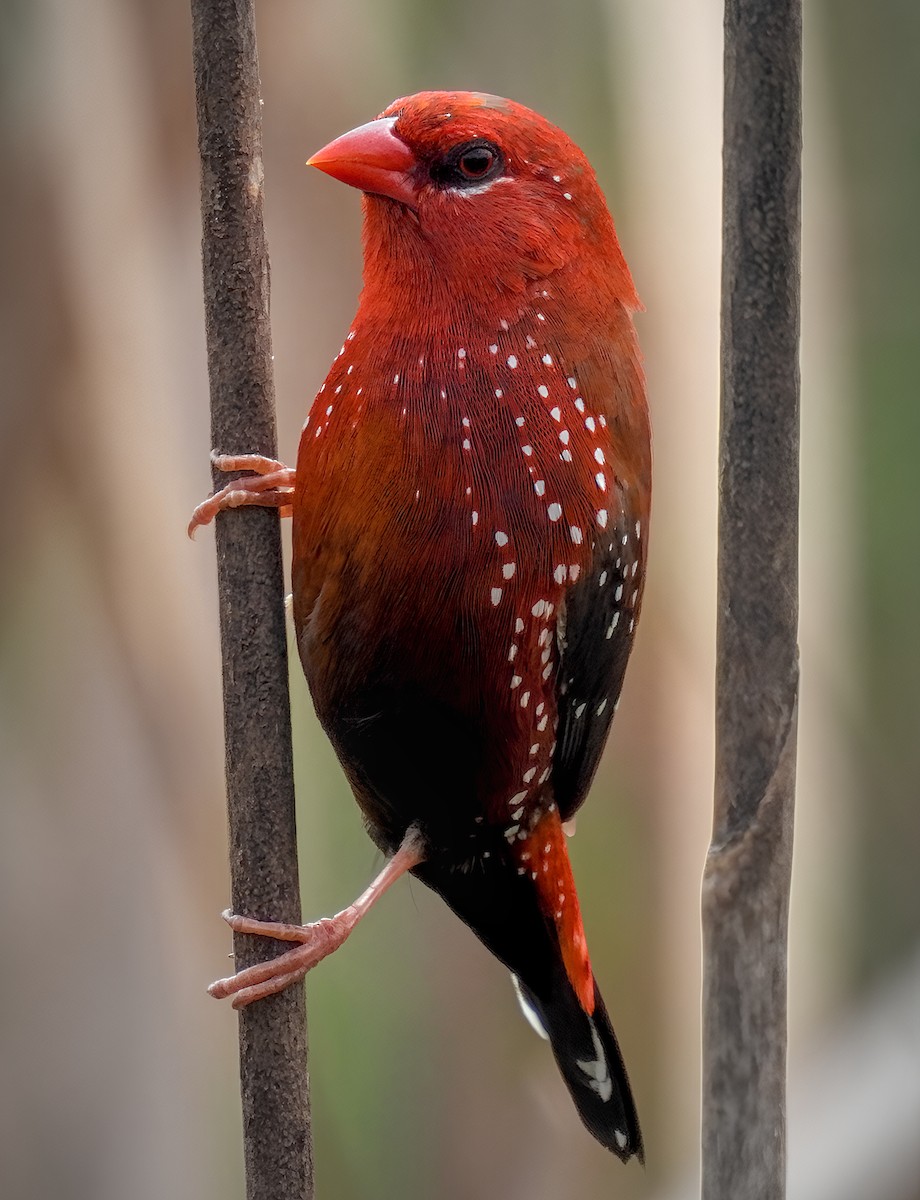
[564,437]
[547,360]
[512,361]
[508,569]
[556,413]
[559,573]
[516,681]
[504,324]
[467,445]
[568,195]
[498,393]
[496,595]
[525,700]
[602,517]
[543,390]
[493,349]
[516,799]
[530,343]
[635,567]
[601,480]
[539,608]
[527,451]
[540,317]
[501,538]
[574,571]
[576,534]
[554,511]
[579,710]
[529,774]
[518,626]
[601,707]
[539,486]
[541,724]
[547,670]
[534,749]
[599,456]
[519,421]
[566,455]
[475,515]
[461,353]
[512,651]
[613,624]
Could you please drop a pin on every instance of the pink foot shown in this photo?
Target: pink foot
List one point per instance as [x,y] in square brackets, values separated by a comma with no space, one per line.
[272,486]
[314,941]
[265,979]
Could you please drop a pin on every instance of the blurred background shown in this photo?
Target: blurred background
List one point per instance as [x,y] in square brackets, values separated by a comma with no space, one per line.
[119,1074]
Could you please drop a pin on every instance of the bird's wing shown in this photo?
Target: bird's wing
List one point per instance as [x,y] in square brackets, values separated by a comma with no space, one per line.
[594,636]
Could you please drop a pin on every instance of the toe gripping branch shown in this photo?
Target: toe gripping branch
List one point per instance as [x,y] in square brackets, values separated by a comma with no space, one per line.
[271,486]
[313,942]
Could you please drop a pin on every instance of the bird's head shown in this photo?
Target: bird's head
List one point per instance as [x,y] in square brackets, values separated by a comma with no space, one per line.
[476,200]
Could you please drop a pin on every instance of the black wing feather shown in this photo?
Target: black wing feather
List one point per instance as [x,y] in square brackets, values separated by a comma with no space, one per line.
[594,637]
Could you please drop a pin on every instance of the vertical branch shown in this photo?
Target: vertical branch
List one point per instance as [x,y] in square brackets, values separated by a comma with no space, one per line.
[260,786]
[747,876]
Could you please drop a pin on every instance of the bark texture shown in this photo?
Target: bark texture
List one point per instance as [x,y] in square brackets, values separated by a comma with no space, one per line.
[260,784]
[747,875]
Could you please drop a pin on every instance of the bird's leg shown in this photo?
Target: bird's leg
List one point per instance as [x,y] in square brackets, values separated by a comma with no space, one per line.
[315,941]
[272,486]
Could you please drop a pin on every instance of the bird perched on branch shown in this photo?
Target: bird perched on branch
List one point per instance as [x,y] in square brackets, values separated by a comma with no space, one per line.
[470,520]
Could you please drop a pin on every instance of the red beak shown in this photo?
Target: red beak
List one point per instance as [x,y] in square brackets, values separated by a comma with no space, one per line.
[371,158]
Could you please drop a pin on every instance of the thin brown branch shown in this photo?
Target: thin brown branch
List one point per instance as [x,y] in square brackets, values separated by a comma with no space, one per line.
[260,787]
[747,877]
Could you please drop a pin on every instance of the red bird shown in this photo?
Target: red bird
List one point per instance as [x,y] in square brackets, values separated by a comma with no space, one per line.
[470,510]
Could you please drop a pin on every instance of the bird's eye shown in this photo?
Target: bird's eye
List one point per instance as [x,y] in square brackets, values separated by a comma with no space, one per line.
[468,164]
[476,163]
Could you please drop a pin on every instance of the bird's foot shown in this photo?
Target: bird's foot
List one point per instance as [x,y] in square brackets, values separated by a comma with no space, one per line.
[272,486]
[316,941]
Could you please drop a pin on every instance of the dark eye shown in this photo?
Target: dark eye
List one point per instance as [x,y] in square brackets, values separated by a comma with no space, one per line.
[476,163]
[468,164]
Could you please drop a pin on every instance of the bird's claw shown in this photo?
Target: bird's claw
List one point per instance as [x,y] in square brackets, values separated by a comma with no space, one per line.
[271,486]
[315,942]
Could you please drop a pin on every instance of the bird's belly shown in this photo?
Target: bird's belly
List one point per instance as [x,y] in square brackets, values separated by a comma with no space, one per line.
[394,664]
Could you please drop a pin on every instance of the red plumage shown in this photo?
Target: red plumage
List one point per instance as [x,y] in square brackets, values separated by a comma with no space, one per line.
[470,513]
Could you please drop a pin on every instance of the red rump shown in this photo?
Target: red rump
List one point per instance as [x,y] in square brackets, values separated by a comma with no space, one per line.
[470,513]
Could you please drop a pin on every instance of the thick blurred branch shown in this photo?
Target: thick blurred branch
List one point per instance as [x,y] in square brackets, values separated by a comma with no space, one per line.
[747,877]
[260,785]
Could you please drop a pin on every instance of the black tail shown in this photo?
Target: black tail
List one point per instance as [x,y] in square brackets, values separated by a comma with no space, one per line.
[588,1055]
[501,909]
